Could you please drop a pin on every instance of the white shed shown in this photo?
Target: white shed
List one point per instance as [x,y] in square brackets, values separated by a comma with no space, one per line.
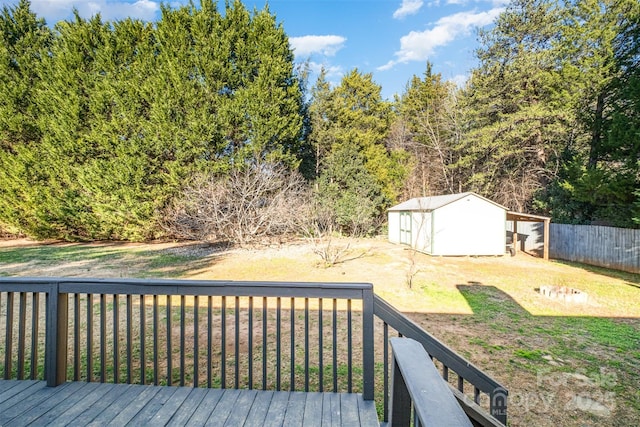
[454,224]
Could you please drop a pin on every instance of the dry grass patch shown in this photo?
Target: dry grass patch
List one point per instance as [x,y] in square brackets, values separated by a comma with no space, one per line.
[564,364]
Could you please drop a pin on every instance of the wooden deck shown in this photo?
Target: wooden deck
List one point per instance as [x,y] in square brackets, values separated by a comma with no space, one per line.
[77,403]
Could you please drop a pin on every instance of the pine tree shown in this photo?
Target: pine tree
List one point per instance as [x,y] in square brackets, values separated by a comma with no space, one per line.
[515,107]
[428,110]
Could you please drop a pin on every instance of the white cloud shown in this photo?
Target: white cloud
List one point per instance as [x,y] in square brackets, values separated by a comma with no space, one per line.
[408,7]
[332,71]
[325,45]
[55,10]
[460,80]
[420,45]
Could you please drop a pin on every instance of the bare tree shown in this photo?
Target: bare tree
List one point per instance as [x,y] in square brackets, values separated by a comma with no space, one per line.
[256,205]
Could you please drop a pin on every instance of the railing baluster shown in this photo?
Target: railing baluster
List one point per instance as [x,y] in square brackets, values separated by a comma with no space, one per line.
[116,340]
[306,345]
[320,348]
[385,337]
[335,345]
[76,337]
[196,348]
[5,336]
[22,321]
[236,365]
[264,343]
[223,338]
[155,339]
[209,339]
[103,337]
[35,323]
[8,337]
[445,372]
[349,350]
[89,337]
[250,343]
[169,352]
[476,395]
[129,335]
[182,338]
[292,385]
[278,335]
[143,334]
[460,384]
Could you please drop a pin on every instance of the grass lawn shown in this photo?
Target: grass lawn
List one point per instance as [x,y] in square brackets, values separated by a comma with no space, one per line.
[573,364]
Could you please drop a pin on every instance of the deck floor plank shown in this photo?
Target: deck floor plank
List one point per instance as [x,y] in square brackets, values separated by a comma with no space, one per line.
[238,417]
[133,393]
[144,416]
[313,409]
[277,408]
[31,403]
[205,408]
[331,410]
[163,416]
[295,409]
[22,400]
[108,399]
[258,412]
[146,395]
[223,409]
[53,404]
[349,409]
[80,404]
[8,396]
[190,404]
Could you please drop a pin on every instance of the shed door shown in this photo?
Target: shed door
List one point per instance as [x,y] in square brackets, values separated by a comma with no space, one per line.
[405,228]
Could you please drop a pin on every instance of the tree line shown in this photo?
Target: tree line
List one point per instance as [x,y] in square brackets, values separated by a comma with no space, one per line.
[201,124]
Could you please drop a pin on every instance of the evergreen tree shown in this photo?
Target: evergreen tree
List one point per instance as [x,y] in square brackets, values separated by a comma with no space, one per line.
[347,193]
[359,176]
[515,108]
[428,110]
[128,112]
[24,41]
[598,181]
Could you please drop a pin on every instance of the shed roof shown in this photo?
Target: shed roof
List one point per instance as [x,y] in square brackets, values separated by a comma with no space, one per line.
[435,202]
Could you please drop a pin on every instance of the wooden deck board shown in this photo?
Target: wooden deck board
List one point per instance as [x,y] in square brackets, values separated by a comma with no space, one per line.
[202,413]
[223,409]
[144,416]
[31,403]
[258,412]
[188,407]
[52,405]
[313,410]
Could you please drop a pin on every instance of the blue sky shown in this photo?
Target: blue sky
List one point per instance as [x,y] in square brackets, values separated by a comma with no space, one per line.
[392,39]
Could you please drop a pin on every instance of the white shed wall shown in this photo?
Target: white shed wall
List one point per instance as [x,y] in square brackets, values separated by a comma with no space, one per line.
[393,226]
[421,231]
[469,226]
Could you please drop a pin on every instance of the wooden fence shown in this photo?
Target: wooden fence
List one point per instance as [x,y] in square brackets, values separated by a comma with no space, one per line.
[610,247]
[617,248]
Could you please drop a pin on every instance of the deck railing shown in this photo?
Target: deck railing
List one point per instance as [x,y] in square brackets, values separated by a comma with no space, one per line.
[456,370]
[417,392]
[223,334]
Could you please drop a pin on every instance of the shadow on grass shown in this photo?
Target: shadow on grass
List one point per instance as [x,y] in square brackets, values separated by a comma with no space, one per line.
[129,261]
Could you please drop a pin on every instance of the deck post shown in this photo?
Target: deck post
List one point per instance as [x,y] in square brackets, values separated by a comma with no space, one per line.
[56,336]
[367,345]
